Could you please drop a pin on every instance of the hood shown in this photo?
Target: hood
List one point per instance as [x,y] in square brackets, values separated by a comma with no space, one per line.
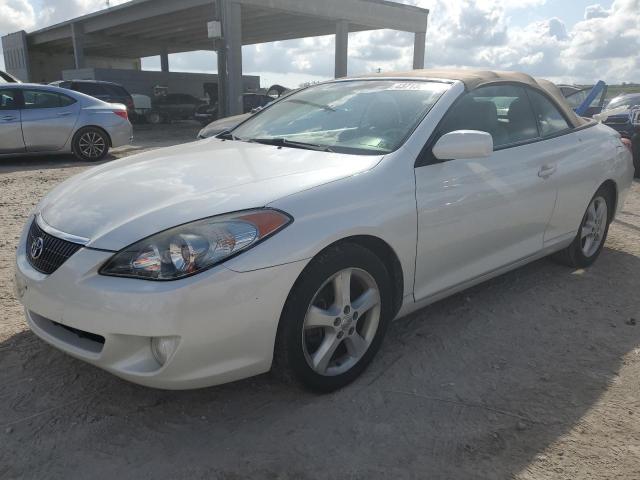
[223,124]
[122,202]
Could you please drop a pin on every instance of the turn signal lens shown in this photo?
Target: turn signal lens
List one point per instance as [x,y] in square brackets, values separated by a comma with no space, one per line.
[195,247]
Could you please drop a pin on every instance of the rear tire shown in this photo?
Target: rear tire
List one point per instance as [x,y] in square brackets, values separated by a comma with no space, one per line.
[155,118]
[334,320]
[592,234]
[90,144]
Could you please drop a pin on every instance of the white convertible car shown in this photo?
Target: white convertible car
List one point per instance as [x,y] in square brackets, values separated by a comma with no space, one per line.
[293,240]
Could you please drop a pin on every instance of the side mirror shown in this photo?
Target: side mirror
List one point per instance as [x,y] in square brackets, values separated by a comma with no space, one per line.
[464,144]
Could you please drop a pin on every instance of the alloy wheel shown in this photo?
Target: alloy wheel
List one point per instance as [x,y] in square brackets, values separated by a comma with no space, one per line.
[92,145]
[594,227]
[341,322]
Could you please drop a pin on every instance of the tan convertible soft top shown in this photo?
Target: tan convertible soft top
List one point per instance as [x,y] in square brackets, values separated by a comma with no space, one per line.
[473,79]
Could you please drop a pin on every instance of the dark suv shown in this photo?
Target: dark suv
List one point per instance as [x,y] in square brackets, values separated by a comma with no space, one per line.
[622,123]
[105,91]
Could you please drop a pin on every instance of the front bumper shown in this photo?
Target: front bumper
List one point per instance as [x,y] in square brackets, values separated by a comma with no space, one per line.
[226,321]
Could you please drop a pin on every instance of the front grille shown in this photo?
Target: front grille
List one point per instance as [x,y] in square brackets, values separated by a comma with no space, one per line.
[81,333]
[49,255]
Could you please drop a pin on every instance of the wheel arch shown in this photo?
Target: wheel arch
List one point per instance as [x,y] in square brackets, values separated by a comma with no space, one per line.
[612,188]
[387,256]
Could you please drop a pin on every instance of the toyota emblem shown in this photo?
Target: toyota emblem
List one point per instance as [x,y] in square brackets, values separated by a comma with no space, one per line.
[37,247]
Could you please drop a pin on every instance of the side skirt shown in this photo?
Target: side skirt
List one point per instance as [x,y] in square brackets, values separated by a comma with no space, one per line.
[410,306]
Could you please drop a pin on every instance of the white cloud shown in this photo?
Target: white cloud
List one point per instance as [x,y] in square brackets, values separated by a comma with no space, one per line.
[595,11]
[16,15]
[462,33]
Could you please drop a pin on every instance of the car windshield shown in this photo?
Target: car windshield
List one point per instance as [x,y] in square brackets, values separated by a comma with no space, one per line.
[363,117]
[631,101]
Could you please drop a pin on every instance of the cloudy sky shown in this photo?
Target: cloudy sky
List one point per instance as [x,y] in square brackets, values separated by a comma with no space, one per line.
[564,40]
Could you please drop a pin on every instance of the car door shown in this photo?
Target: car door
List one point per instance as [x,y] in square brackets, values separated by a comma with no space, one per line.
[479,215]
[570,157]
[11,140]
[48,119]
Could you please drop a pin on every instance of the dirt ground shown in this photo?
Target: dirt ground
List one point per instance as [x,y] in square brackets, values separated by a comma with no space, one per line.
[534,375]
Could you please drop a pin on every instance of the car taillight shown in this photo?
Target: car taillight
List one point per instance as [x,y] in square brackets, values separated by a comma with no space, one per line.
[122,113]
[627,143]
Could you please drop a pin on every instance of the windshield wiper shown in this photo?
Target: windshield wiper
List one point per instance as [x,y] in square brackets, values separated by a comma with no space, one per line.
[226,136]
[283,142]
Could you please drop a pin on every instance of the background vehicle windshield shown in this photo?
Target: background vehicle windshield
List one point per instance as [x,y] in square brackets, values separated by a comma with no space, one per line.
[367,117]
[629,100]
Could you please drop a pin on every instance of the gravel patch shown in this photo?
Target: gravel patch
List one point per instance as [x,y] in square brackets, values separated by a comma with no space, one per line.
[533,375]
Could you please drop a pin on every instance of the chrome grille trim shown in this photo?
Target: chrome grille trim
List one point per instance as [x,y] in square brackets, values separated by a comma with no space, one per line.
[54,232]
[55,251]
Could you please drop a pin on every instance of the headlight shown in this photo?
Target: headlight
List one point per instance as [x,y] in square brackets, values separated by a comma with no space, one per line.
[194,247]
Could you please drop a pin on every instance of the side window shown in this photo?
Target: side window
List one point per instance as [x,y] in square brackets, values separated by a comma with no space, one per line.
[34,99]
[8,100]
[504,111]
[116,90]
[549,117]
[91,89]
[65,101]
[576,99]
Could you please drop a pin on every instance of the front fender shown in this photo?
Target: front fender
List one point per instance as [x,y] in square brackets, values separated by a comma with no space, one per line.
[372,204]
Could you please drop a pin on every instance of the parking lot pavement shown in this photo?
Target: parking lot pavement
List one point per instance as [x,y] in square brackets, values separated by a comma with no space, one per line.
[533,375]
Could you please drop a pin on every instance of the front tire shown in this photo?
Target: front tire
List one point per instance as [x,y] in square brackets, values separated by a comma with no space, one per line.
[90,144]
[592,234]
[335,319]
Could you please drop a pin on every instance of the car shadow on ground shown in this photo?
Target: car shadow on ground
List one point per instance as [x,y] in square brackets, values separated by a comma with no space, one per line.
[475,386]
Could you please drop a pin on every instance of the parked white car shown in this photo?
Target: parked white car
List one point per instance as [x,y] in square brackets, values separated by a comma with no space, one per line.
[295,239]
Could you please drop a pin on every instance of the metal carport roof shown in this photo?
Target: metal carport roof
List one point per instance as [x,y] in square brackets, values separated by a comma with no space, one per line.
[144,28]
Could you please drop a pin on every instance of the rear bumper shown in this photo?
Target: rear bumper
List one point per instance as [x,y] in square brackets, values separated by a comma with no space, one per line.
[121,134]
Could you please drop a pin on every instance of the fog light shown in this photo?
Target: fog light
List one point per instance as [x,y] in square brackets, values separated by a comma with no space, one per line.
[163,348]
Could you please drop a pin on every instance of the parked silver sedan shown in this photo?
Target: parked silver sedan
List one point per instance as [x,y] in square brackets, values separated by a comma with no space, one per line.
[46,119]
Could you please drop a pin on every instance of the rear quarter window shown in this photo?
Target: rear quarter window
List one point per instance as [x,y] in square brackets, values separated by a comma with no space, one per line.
[117,90]
[549,118]
[91,89]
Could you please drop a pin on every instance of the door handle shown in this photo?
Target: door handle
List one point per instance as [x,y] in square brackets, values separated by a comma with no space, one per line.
[546,171]
[8,118]
[64,114]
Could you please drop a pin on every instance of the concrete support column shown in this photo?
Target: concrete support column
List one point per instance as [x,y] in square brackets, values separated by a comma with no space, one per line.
[77,37]
[164,60]
[342,48]
[230,85]
[419,48]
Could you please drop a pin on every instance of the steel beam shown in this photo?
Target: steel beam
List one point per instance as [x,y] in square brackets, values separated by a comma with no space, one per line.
[342,48]
[230,59]
[164,60]
[419,47]
[77,38]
